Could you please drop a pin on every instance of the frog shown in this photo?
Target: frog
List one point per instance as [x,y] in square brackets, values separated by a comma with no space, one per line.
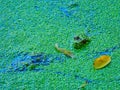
[80,41]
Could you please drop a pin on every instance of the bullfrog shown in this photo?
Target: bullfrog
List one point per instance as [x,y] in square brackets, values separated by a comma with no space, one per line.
[80,41]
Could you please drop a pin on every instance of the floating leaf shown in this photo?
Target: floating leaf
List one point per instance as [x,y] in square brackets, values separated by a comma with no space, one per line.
[64,51]
[101,61]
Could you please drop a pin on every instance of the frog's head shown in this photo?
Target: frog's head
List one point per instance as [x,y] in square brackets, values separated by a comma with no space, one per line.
[80,40]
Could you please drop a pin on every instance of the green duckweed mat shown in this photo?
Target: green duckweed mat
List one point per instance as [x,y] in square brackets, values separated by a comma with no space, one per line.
[29,30]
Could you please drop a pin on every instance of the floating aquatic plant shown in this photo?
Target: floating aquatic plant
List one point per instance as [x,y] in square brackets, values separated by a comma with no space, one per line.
[101,61]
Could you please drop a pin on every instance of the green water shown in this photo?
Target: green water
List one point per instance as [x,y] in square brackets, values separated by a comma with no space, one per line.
[35,26]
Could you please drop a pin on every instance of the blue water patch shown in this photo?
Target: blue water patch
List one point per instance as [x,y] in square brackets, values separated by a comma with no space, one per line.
[107,51]
[23,62]
[83,78]
[65,12]
[36,7]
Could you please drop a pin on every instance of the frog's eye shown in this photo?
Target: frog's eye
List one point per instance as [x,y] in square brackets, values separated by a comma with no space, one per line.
[101,61]
[77,38]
